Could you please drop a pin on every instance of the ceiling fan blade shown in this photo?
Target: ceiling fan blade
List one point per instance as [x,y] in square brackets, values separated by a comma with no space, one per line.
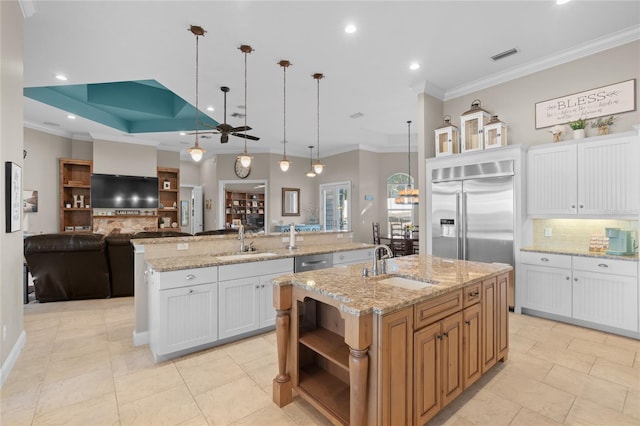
[240,129]
[203,133]
[243,136]
[207,125]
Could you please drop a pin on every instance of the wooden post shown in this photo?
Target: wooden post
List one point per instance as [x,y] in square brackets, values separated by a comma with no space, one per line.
[358,335]
[282,393]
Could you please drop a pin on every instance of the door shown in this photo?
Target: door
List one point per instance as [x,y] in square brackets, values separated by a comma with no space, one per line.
[547,289]
[238,306]
[196,210]
[487,228]
[427,369]
[335,206]
[552,180]
[471,345]
[445,219]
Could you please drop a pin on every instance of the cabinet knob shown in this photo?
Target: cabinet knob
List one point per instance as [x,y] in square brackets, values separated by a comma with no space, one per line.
[446,334]
[581,206]
[468,322]
[474,293]
[567,278]
[189,277]
[341,257]
[190,290]
[544,259]
[603,265]
[257,286]
[439,337]
[573,206]
[575,279]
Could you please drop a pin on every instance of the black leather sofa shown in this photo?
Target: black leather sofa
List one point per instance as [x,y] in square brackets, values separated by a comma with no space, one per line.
[84,266]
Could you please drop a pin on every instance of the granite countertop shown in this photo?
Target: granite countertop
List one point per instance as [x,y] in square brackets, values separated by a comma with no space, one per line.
[202,261]
[582,253]
[360,295]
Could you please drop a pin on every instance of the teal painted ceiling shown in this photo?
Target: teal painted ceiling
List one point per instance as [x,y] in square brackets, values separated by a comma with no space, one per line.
[143,106]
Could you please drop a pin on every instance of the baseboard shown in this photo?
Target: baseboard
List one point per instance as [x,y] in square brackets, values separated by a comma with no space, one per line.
[140,339]
[11,360]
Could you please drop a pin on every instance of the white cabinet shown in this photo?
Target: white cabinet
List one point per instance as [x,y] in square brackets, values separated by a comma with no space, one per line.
[609,298]
[245,301]
[602,292]
[547,279]
[595,178]
[182,309]
[352,257]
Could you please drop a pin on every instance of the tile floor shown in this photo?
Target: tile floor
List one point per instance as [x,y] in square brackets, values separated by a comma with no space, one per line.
[79,367]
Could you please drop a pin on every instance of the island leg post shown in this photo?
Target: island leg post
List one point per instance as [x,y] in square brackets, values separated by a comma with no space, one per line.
[282,386]
[358,336]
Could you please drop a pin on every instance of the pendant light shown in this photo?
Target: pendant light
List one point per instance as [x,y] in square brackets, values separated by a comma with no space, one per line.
[196,151]
[245,158]
[284,163]
[408,195]
[318,166]
[311,172]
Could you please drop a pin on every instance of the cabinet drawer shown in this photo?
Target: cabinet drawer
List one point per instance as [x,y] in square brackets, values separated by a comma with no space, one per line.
[186,277]
[255,269]
[355,256]
[546,259]
[471,294]
[607,266]
[433,310]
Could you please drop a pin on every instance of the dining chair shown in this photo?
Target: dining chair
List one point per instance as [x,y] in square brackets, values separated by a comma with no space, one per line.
[376,232]
[397,242]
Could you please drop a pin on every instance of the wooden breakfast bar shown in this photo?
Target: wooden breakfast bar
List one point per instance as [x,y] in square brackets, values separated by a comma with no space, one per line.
[392,349]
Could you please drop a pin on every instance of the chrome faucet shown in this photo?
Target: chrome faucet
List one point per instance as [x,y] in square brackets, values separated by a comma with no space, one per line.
[383,265]
[241,237]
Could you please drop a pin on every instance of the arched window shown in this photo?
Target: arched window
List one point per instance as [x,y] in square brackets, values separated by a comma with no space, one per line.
[402,213]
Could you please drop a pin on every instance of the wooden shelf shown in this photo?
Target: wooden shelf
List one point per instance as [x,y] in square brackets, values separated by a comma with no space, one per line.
[78,172]
[328,344]
[169,196]
[66,185]
[327,390]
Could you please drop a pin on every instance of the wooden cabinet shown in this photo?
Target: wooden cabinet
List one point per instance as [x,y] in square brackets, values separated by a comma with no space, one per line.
[595,178]
[495,321]
[244,208]
[183,310]
[246,295]
[169,194]
[438,366]
[75,195]
[471,345]
[602,292]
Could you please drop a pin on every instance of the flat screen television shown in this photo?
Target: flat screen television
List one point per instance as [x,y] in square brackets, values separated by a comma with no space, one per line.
[124,192]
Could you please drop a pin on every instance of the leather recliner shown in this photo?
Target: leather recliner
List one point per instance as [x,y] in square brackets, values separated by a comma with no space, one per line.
[68,266]
[120,253]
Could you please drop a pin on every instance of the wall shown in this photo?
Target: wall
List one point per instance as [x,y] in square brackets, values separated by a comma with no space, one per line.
[12,335]
[41,173]
[124,159]
[514,101]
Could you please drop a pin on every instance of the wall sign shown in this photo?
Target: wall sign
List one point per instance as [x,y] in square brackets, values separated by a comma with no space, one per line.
[598,102]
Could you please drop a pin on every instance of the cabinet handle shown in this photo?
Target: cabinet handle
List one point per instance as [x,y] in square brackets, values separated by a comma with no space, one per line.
[575,279]
[573,206]
[189,277]
[567,278]
[439,337]
[446,334]
[257,286]
[603,265]
[581,206]
[474,294]
[468,322]
[190,290]
[544,259]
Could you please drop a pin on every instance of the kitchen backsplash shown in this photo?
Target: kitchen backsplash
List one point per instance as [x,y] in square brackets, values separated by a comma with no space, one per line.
[575,234]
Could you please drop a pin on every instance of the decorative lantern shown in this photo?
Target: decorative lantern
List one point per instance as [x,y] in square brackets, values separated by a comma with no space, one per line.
[472,124]
[495,133]
[447,138]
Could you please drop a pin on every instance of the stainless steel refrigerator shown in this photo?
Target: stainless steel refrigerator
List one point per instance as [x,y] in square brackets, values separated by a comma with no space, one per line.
[472,212]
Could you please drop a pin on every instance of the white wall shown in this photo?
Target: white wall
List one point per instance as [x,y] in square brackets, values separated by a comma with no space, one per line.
[124,159]
[12,336]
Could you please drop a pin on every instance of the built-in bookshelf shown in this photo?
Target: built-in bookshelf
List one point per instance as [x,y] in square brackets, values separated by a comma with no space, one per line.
[244,208]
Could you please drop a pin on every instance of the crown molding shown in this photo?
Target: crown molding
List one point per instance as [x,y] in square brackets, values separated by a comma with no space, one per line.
[610,41]
[46,129]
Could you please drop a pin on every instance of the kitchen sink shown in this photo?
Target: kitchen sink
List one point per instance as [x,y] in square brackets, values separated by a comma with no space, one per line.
[406,283]
[248,255]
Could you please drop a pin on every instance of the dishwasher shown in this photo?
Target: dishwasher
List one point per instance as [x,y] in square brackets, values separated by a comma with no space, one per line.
[312,262]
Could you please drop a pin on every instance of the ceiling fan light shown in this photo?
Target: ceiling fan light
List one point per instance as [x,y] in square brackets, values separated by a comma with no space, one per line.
[196,153]
[245,160]
[318,167]
[284,164]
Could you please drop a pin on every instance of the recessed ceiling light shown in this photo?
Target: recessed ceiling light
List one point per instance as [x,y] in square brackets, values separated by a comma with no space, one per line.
[350,29]
[61,77]
[562,1]
[183,133]
[210,108]
[414,66]
[71,117]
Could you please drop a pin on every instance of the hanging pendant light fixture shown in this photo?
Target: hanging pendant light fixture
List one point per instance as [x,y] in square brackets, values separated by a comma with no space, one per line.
[311,172]
[196,151]
[245,158]
[284,163]
[318,166]
[409,195]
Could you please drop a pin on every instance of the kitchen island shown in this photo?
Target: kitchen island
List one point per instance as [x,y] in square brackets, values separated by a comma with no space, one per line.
[391,349]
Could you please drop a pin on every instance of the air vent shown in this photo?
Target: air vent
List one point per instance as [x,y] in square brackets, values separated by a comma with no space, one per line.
[504,54]
[356,115]
[50,123]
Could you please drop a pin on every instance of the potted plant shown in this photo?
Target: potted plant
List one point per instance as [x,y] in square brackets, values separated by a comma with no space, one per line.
[602,124]
[578,127]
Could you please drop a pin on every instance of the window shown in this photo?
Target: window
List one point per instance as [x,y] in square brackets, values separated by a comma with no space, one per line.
[335,202]
[402,213]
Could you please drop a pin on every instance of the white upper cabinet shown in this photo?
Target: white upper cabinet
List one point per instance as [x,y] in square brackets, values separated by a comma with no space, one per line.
[596,178]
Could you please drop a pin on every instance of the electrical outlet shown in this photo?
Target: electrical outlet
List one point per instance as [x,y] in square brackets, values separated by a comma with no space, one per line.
[340,236]
[299,238]
[183,246]
[4,332]
[285,239]
[548,232]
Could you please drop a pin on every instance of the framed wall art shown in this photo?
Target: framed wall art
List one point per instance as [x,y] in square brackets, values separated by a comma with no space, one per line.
[599,102]
[13,196]
[30,201]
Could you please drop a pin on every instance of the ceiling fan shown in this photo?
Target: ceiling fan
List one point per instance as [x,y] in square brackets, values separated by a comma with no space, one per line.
[225,129]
